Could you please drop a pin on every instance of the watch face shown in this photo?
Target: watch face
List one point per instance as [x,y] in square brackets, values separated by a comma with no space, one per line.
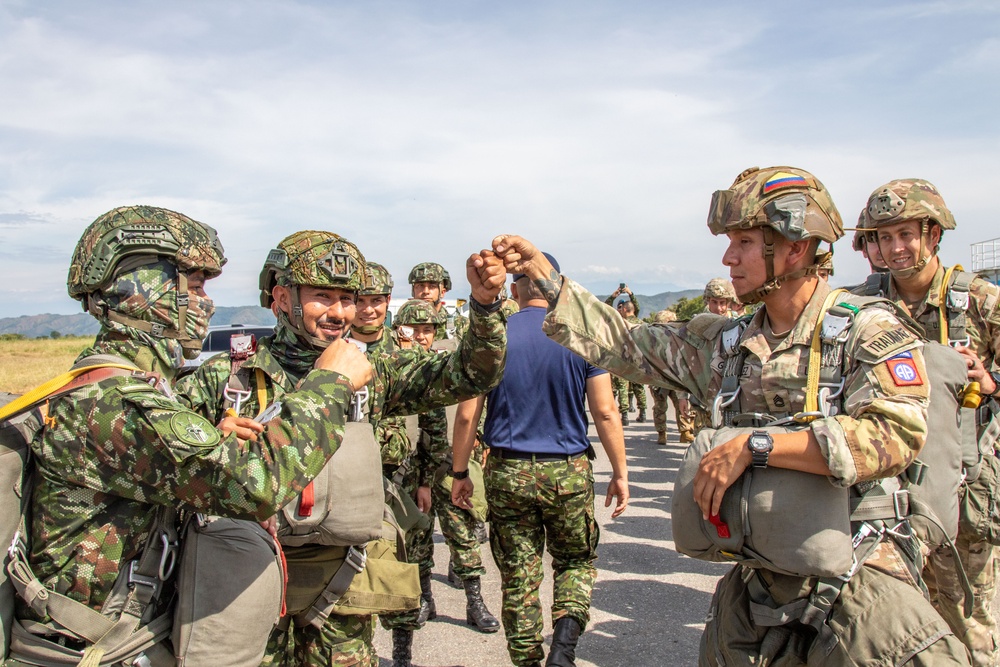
[760,442]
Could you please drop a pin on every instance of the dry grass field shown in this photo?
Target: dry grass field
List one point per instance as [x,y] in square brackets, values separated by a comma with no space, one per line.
[27,363]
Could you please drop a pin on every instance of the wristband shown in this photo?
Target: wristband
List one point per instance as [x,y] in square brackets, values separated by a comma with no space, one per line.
[484,310]
[462,474]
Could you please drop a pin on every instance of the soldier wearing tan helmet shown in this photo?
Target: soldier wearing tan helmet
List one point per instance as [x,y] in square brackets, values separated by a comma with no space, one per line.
[720,297]
[905,220]
[755,372]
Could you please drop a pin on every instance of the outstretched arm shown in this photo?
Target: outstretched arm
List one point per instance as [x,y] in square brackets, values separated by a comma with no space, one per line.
[609,429]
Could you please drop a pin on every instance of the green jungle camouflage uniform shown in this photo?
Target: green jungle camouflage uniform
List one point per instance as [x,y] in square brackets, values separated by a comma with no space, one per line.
[534,505]
[881,433]
[119,448]
[461,325]
[978,556]
[403,383]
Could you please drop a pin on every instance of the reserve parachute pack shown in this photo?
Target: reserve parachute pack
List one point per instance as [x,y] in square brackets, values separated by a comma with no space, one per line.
[979,494]
[191,579]
[346,545]
[832,531]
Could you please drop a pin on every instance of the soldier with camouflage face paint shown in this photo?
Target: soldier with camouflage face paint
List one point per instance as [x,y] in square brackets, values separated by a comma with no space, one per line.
[774,220]
[312,279]
[903,222]
[117,451]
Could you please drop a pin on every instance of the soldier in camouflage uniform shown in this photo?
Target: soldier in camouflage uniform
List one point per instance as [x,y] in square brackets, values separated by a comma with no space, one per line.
[539,482]
[430,282]
[434,458]
[679,399]
[905,220]
[117,451]
[628,393]
[868,247]
[774,219]
[312,280]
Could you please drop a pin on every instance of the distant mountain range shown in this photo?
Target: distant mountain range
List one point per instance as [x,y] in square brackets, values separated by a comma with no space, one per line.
[83,324]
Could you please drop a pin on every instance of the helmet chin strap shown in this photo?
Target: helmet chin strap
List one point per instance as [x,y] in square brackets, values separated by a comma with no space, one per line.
[909,272]
[296,323]
[771,282]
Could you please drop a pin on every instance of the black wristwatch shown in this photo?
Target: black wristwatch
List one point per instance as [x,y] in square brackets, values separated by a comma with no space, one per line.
[996,380]
[760,445]
[488,309]
[460,474]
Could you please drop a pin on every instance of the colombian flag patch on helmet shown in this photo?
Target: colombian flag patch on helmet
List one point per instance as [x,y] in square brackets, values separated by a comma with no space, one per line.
[783,179]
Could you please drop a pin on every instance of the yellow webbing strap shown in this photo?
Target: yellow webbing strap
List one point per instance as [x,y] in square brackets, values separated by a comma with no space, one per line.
[943,305]
[261,391]
[52,386]
[816,353]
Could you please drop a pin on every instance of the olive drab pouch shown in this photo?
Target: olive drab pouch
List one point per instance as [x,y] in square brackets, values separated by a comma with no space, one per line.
[404,510]
[343,506]
[784,520]
[230,585]
[479,506]
[980,509]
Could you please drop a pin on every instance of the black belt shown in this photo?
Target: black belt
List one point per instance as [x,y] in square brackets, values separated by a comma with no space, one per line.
[502,453]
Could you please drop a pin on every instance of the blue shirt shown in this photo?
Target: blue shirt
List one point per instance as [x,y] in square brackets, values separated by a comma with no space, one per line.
[538,407]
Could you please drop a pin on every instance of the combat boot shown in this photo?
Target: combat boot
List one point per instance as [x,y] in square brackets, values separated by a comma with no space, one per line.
[624,419]
[641,419]
[564,637]
[661,438]
[402,645]
[428,610]
[476,612]
[453,579]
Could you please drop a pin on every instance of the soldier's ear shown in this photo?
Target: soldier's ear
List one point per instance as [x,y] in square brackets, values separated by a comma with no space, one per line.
[282,299]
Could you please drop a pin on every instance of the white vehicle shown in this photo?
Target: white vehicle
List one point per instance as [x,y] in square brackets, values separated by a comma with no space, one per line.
[218,339]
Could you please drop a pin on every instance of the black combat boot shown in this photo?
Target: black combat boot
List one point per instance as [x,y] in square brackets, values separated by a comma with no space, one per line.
[453,579]
[564,637]
[402,645]
[641,419]
[428,610]
[476,612]
[624,419]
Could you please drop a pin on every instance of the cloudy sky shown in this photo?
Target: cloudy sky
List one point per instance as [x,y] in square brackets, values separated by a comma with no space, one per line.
[420,130]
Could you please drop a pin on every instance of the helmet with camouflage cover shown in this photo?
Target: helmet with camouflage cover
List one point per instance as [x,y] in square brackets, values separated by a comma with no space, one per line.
[430,272]
[379,281]
[786,200]
[719,288]
[310,259]
[903,200]
[418,311]
[130,269]
[665,317]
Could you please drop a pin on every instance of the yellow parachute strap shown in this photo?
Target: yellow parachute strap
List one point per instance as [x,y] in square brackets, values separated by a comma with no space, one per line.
[51,387]
[91,657]
[261,391]
[943,305]
[816,353]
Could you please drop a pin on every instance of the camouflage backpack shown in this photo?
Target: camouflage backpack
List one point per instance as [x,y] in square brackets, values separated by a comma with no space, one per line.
[227,572]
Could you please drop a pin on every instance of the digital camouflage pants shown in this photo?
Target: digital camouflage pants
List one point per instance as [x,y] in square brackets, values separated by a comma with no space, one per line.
[623,389]
[978,558]
[534,506]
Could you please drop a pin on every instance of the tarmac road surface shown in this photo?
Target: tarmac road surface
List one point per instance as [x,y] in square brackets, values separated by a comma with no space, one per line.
[649,603]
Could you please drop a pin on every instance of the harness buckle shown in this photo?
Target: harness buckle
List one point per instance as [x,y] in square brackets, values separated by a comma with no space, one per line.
[722,400]
[236,396]
[958,299]
[168,559]
[136,579]
[157,329]
[356,558]
[834,329]
[358,402]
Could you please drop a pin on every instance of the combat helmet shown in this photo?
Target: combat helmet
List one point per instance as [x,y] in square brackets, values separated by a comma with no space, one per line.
[430,272]
[902,200]
[379,281]
[719,288]
[129,237]
[313,259]
[786,200]
[665,317]
[418,311]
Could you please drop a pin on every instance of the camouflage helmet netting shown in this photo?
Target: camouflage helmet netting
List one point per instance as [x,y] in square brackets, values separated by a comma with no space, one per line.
[719,288]
[380,281]
[791,201]
[418,311]
[130,231]
[430,272]
[906,199]
[313,258]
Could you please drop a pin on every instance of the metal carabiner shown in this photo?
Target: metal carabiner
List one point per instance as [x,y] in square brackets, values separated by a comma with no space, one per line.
[720,401]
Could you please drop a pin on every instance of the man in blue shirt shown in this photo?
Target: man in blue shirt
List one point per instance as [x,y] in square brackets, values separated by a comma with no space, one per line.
[539,481]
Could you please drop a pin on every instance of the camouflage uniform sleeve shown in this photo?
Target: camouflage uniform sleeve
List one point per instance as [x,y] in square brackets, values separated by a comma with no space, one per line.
[202,390]
[147,447]
[680,356]
[392,439]
[984,313]
[461,326]
[635,302]
[884,425]
[433,450]
[417,382]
